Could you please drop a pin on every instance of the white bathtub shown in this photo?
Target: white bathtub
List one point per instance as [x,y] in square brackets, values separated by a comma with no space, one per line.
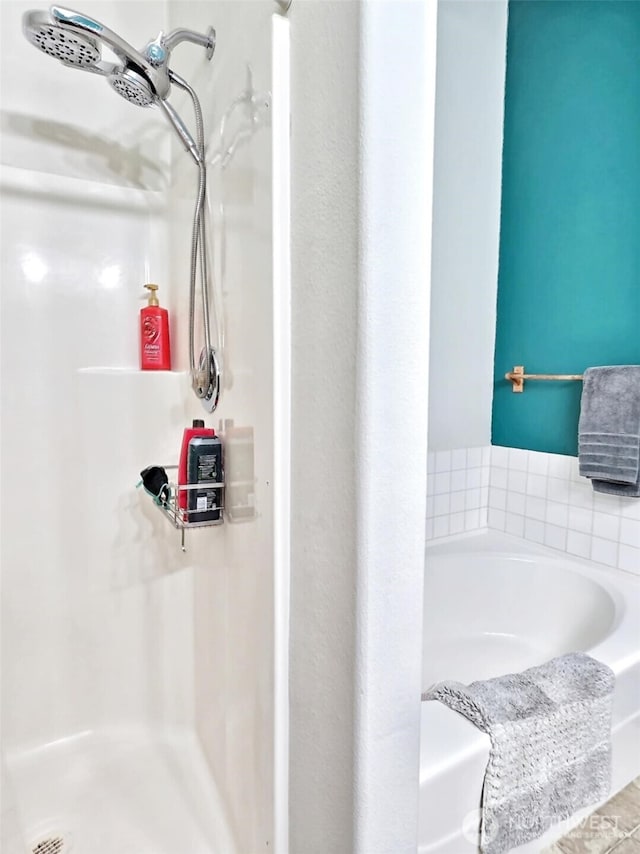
[496,604]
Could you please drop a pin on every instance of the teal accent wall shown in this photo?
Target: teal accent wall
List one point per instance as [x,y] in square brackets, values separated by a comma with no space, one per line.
[569,269]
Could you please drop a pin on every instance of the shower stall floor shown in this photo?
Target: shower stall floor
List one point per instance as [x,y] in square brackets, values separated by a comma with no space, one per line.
[118,791]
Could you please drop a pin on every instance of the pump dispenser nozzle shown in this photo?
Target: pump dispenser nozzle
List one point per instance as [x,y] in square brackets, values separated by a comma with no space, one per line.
[153,299]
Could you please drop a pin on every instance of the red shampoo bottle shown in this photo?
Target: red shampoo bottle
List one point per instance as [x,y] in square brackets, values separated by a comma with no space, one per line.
[155,348]
[197,430]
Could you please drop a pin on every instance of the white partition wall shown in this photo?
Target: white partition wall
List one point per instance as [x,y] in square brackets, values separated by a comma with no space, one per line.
[362,105]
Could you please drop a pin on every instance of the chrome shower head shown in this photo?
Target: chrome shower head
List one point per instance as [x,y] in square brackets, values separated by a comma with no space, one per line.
[132,86]
[141,77]
[69,48]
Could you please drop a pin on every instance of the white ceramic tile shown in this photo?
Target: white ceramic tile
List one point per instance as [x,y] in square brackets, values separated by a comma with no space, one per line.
[629,559]
[538,463]
[630,532]
[474,478]
[536,508]
[498,477]
[474,458]
[441,526]
[500,456]
[514,524]
[560,509]
[442,504]
[457,502]
[630,508]
[459,459]
[574,470]
[537,485]
[604,551]
[581,494]
[459,491]
[579,544]
[580,519]
[472,519]
[497,519]
[558,490]
[559,466]
[606,526]
[606,503]
[557,514]
[497,498]
[443,461]
[456,524]
[534,530]
[442,483]
[431,462]
[430,507]
[518,459]
[516,503]
[517,480]
[472,499]
[458,480]
[555,537]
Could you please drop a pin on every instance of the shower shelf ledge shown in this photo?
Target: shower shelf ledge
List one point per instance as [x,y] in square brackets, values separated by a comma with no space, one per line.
[178,516]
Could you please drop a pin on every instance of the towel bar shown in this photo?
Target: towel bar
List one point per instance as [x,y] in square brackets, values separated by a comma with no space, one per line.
[517,377]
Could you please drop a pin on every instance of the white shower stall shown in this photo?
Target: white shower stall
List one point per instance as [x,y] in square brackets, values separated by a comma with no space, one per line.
[257,692]
[138,681]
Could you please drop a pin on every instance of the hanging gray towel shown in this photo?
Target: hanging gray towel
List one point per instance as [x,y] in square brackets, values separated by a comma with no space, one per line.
[609,429]
[550,731]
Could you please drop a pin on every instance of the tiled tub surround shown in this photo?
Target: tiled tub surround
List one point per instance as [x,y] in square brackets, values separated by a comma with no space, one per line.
[542,498]
[457,491]
[537,496]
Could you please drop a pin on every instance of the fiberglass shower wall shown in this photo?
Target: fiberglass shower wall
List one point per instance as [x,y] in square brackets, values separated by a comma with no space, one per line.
[240,625]
[124,659]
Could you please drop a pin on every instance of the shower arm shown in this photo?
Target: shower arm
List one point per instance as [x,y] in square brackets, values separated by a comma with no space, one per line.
[175,37]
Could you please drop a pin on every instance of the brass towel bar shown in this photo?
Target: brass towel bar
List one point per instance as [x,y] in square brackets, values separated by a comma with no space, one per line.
[517,377]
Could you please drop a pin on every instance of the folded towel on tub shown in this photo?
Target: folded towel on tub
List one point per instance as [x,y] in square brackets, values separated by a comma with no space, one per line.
[550,731]
[609,429]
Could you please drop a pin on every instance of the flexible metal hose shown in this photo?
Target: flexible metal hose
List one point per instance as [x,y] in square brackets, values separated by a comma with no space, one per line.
[204,381]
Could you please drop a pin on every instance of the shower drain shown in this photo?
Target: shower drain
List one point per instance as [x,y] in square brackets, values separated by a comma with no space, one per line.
[52,843]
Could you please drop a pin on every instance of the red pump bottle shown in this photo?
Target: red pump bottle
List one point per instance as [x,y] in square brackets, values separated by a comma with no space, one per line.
[155,347]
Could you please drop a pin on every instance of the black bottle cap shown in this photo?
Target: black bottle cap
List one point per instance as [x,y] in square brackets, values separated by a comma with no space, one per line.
[198,422]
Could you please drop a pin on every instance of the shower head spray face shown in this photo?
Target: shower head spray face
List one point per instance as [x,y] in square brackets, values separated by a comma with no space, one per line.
[70,48]
[132,86]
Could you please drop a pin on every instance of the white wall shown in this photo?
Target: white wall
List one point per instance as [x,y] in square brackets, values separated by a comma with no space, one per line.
[471,55]
[361,218]
[324,222]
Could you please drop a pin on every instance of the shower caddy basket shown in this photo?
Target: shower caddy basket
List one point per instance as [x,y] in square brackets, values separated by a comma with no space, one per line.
[179,516]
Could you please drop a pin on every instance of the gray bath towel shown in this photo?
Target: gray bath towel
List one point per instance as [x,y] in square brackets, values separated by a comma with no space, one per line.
[550,731]
[609,429]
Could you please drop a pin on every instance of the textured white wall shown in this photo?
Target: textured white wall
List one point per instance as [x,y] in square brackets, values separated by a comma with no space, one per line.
[324,221]
[471,57]
[361,73]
